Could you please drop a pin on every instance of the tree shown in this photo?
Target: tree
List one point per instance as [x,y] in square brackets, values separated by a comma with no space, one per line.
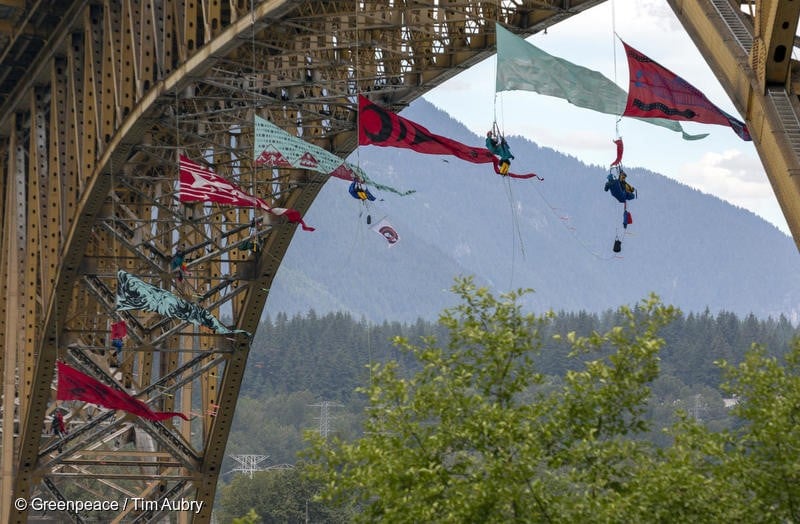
[275,496]
[250,518]
[765,461]
[477,435]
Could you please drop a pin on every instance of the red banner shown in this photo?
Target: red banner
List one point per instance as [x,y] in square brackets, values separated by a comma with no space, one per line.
[74,385]
[379,127]
[657,92]
[203,185]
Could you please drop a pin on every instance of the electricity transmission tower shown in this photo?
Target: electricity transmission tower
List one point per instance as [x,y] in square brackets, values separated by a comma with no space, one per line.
[249,464]
[325,416]
[699,408]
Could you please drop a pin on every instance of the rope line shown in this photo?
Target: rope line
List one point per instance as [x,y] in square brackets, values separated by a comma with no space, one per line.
[564,220]
[614,56]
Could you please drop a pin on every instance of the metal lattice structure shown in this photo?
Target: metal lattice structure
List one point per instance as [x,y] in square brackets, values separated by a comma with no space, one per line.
[249,464]
[98,100]
[749,47]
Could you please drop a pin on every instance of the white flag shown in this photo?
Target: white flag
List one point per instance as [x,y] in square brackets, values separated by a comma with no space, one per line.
[387,231]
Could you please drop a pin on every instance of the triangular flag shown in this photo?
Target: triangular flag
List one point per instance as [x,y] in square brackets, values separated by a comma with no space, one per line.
[380,127]
[274,147]
[655,91]
[199,184]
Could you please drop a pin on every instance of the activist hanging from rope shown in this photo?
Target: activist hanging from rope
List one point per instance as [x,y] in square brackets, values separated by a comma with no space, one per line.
[617,185]
[496,143]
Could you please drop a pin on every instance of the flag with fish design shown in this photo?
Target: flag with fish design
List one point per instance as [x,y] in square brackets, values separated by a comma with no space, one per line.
[133,293]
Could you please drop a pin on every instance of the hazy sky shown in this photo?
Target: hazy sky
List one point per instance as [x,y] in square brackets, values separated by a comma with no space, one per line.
[721,164]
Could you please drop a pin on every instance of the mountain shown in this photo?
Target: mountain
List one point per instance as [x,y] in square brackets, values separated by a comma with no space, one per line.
[555,236]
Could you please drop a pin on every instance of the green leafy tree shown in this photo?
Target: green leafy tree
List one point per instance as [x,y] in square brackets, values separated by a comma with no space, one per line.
[476,433]
[750,473]
[765,464]
[250,518]
[479,435]
[275,496]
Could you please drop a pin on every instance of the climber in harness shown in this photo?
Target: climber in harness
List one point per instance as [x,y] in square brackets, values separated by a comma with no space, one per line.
[621,190]
[497,144]
[619,187]
[360,192]
[178,263]
[252,242]
[119,330]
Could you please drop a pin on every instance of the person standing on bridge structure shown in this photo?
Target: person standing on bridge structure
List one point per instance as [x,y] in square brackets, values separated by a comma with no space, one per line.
[58,428]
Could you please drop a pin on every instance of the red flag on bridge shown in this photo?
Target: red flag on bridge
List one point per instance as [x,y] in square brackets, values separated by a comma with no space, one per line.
[657,92]
[203,185]
[379,127]
[74,385]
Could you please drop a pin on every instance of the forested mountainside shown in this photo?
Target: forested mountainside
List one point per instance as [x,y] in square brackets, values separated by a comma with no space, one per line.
[298,362]
[555,236]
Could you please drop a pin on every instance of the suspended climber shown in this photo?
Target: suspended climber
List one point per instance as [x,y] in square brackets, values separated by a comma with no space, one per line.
[496,143]
[360,192]
[252,243]
[178,263]
[119,330]
[620,189]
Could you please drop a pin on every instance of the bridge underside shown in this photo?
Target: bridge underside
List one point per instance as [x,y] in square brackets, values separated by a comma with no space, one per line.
[97,102]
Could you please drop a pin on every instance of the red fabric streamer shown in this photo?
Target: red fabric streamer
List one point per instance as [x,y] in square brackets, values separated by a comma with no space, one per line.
[657,92]
[383,128]
[619,152]
[74,385]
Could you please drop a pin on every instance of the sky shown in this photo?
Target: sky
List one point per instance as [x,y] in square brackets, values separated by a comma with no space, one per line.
[721,164]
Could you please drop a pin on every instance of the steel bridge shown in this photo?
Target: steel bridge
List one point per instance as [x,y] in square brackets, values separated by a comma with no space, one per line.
[97,100]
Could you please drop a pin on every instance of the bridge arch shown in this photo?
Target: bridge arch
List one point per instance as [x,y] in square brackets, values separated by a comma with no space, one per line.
[97,100]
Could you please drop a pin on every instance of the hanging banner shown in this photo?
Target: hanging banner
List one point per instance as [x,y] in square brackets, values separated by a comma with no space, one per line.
[521,66]
[133,293]
[380,127]
[198,184]
[655,91]
[75,385]
[387,231]
[274,147]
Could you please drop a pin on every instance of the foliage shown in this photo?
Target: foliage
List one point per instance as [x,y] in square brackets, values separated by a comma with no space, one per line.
[273,496]
[766,458]
[478,434]
[708,467]
[473,436]
[250,518]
